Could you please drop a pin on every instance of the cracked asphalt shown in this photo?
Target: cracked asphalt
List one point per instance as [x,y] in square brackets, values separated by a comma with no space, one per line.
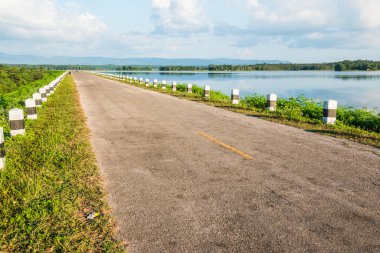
[173,190]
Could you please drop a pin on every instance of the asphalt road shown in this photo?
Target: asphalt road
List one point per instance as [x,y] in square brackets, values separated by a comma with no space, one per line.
[173,187]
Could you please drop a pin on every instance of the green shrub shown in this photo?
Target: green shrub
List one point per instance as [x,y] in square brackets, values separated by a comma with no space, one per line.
[17,97]
[255,101]
[360,118]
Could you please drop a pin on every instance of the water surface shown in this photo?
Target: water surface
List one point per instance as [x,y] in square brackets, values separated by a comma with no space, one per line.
[357,89]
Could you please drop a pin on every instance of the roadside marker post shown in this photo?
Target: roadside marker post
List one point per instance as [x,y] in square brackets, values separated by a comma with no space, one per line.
[147,84]
[31,109]
[52,87]
[271,102]
[37,98]
[329,111]
[163,84]
[207,91]
[47,89]
[43,94]
[155,83]
[16,122]
[2,149]
[189,88]
[235,96]
[174,86]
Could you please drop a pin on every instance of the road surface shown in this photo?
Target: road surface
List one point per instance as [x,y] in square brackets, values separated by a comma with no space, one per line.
[180,177]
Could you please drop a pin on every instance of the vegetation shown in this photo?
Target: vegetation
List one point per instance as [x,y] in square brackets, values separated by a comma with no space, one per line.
[337,66]
[134,68]
[51,183]
[307,110]
[17,96]
[359,125]
[359,65]
[12,78]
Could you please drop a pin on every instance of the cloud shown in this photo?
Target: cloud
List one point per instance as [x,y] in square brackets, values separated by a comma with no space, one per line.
[368,12]
[350,24]
[44,20]
[287,16]
[145,43]
[178,16]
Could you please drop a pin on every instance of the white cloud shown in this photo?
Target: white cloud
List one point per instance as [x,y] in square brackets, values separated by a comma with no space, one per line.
[289,14]
[178,16]
[43,20]
[315,36]
[368,12]
[144,43]
[310,23]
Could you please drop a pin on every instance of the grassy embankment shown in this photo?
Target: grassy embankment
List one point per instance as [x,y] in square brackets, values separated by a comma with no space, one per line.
[51,183]
[358,125]
[16,96]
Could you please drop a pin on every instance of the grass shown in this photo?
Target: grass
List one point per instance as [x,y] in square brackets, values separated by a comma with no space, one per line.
[359,125]
[51,183]
[16,98]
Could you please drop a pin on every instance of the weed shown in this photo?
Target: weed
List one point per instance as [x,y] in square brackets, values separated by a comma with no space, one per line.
[51,182]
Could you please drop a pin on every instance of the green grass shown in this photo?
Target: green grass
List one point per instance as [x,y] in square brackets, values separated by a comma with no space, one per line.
[51,182]
[303,109]
[13,77]
[16,98]
[360,125]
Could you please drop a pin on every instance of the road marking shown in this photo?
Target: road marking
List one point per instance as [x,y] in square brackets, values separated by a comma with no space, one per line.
[237,151]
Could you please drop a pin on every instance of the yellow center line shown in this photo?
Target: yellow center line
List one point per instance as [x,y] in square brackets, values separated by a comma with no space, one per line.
[225,145]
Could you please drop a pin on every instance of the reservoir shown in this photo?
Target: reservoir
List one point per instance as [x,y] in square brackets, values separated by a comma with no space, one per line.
[357,89]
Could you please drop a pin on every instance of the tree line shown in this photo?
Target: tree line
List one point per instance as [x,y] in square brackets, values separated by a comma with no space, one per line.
[12,77]
[134,68]
[359,65]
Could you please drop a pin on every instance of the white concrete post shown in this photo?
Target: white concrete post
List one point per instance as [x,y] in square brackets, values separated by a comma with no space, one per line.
[163,84]
[2,149]
[52,88]
[271,102]
[37,99]
[155,83]
[135,79]
[47,89]
[147,84]
[43,94]
[16,122]
[329,111]
[207,91]
[235,96]
[141,81]
[189,88]
[31,109]
[174,86]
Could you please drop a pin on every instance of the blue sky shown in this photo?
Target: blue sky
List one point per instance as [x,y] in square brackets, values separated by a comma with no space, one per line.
[294,30]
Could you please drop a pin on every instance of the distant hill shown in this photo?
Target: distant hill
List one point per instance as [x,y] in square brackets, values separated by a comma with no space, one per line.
[64,60]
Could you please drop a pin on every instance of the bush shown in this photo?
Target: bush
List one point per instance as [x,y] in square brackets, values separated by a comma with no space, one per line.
[361,118]
[17,97]
[255,100]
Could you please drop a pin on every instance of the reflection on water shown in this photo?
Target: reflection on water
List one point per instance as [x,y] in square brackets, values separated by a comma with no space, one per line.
[358,89]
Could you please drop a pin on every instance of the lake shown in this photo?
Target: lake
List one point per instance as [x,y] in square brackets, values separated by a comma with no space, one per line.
[357,89]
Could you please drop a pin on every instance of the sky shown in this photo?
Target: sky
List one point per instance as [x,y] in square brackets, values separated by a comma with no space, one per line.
[290,30]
